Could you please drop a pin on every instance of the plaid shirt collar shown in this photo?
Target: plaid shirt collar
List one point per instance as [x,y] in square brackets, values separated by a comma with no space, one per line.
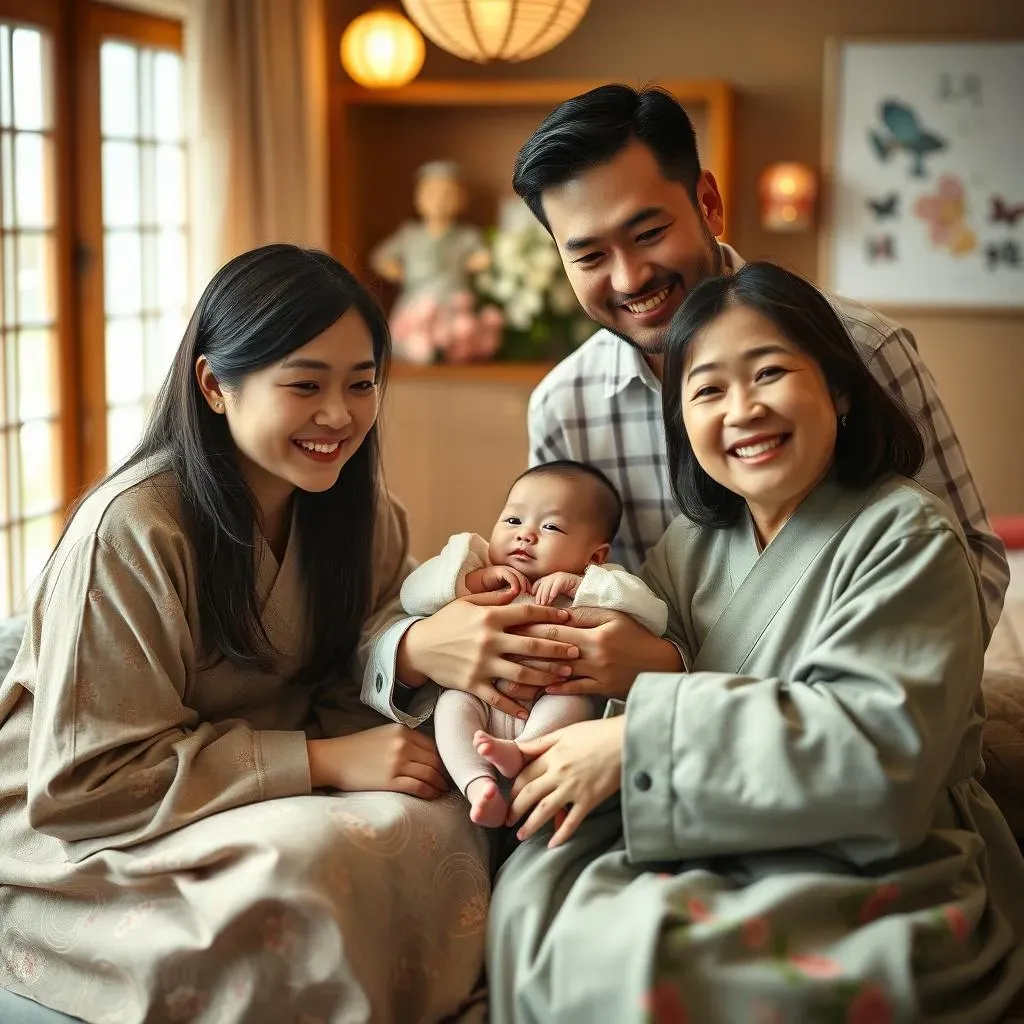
[629,365]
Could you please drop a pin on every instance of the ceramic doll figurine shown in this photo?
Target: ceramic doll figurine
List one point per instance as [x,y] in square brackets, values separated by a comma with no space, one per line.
[432,259]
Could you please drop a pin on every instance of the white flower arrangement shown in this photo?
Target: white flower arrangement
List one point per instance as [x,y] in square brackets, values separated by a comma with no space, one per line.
[527,282]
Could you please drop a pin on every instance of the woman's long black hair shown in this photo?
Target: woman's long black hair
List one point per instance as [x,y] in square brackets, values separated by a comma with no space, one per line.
[879,435]
[257,309]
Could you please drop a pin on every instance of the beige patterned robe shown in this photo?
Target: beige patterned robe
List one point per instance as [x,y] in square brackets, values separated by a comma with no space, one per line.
[162,857]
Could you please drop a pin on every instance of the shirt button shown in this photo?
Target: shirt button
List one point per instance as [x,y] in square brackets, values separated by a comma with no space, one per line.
[380,682]
[642,781]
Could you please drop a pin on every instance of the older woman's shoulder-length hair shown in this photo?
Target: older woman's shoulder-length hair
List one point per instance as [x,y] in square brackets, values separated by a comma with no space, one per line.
[879,436]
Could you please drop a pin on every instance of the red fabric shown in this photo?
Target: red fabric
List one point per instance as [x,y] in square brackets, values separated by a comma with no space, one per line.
[1010,529]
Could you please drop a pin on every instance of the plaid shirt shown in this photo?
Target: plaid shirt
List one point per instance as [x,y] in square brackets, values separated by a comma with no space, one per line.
[602,405]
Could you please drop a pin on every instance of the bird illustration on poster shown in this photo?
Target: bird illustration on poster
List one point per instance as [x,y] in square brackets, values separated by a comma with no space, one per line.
[927,205]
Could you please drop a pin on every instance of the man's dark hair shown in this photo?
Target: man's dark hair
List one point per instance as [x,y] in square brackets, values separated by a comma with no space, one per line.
[607,503]
[594,127]
[879,435]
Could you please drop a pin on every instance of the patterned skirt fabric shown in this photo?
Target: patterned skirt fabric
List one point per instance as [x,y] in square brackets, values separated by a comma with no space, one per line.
[313,910]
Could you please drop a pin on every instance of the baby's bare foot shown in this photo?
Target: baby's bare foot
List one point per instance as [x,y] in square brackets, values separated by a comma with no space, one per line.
[505,755]
[487,806]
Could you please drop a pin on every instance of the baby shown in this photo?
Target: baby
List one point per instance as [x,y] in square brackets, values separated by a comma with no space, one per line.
[549,546]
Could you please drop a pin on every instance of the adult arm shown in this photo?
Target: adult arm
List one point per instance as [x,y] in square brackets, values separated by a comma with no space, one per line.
[387,623]
[116,754]
[854,744]
[899,367]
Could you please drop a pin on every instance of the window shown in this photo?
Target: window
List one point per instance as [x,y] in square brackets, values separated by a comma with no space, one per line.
[31,488]
[93,254]
[144,230]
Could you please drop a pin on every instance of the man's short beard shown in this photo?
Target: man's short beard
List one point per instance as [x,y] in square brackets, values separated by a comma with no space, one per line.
[710,264]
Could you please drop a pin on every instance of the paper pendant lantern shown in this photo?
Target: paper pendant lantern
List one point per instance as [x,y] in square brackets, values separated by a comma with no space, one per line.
[382,49]
[486,30]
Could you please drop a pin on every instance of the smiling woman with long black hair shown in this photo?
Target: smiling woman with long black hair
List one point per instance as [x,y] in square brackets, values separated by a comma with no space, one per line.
[189,686]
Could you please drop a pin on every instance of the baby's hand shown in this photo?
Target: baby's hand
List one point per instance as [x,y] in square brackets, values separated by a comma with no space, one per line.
[496,577]
[548,589]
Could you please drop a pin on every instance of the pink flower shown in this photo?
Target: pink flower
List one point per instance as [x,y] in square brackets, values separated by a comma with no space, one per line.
[765,1013]
[698,910]
[755,932]
[878,902]
[665,1005]
[815,966]
[958,924]
[943,209]
[870,1006]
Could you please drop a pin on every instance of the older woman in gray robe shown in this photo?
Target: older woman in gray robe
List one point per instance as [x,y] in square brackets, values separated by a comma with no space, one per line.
[794,829]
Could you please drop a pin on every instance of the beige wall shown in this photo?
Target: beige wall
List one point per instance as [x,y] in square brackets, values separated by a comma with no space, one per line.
[773,55]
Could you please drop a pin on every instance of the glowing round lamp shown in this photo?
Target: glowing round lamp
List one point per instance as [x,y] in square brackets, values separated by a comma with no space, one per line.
[382,49]
[788,193]
[486,30]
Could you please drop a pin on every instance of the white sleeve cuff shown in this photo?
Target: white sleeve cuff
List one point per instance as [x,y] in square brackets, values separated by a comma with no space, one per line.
[381,688]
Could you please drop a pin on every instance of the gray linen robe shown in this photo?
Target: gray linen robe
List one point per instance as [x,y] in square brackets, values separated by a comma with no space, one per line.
[162,857]
[801,833]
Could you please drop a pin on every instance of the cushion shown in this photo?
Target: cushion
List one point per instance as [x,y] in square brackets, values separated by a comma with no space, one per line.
[1003,741]
[1003,686]
[18,1010]
[11,632]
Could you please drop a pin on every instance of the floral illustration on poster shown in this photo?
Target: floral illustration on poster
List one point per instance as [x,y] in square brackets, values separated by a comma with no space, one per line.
[928,174]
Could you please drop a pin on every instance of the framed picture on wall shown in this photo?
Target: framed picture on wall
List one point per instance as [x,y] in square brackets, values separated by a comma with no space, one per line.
[924,165]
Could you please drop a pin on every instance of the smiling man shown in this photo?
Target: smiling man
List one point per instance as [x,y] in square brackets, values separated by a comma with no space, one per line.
[615,177]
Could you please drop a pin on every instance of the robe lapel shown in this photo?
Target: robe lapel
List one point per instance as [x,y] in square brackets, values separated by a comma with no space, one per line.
[279,590]
[766,581]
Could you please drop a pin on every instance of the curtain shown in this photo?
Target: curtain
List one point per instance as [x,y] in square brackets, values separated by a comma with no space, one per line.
[257,93]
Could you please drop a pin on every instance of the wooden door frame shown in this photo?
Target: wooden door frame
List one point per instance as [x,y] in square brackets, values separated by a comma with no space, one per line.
[95,22]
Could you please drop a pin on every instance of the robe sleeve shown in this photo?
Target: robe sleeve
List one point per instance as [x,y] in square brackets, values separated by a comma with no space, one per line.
[656,573]
[856,744]
[116,754]
[439,580]
[386,624]
[611,587]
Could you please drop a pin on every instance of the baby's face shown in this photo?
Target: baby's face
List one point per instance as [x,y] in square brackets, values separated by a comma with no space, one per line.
[547,526]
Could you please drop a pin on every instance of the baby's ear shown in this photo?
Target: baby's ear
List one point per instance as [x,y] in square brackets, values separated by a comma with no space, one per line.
[600,556]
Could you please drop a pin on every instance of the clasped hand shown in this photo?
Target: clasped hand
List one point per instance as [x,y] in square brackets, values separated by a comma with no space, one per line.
[614,649]
[474,640]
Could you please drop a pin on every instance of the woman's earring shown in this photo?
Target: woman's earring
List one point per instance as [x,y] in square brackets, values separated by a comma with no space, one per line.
[842,419]
[219,406]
